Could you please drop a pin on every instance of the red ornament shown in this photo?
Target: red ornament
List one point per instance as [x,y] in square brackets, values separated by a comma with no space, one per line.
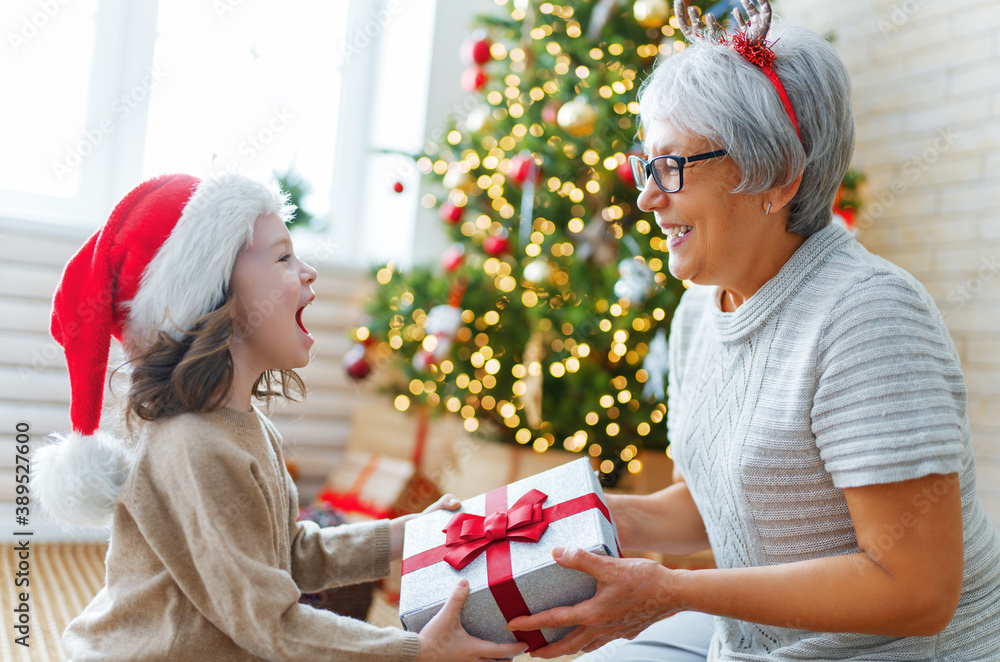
[476,50]
[625,170]
[550,112]
[473,79]
[356,363]
[521,167]
[846,213]
[451,212]
[398,187]
[496,244]
[453,257]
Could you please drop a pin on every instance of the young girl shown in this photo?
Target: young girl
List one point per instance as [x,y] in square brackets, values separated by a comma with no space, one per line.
[199,281]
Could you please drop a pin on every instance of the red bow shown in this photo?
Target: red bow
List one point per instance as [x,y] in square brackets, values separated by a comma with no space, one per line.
[469,535]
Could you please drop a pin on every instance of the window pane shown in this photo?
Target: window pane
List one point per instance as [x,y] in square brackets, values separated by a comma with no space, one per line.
[253,87]
[45,67]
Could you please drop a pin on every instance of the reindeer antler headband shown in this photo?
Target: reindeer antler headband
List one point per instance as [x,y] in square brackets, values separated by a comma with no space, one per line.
[750,41]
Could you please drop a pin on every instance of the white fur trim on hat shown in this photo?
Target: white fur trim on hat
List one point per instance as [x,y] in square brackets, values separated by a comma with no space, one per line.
[190,273]
[77,480]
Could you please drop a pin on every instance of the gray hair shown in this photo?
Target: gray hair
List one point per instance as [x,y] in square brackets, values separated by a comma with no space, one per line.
[710,90]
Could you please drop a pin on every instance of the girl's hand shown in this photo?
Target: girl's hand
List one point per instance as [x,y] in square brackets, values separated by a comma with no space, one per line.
[444,639]
[397,525]
[447,502]
[631,595]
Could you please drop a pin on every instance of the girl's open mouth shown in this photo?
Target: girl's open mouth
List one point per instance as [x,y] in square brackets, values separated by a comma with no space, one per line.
[298,320]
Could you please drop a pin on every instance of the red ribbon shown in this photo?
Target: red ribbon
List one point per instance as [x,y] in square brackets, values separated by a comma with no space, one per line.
[471,534]
[350,503]
[759,53]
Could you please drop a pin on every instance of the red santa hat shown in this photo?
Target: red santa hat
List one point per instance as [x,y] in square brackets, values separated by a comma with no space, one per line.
[162,260]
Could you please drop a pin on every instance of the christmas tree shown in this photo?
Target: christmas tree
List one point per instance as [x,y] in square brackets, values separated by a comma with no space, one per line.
[544,324]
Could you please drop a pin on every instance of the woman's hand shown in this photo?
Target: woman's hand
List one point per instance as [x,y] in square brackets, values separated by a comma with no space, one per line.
[398,525]
[444,639]
[631,595]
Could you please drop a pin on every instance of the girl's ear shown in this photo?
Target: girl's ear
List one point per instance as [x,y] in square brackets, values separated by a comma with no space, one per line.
[241,323]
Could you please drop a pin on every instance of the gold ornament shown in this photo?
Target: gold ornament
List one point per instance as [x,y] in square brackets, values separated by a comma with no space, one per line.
[597,243]
[577,117]
[538,271]
[456,179]
[651,13]
[479,118]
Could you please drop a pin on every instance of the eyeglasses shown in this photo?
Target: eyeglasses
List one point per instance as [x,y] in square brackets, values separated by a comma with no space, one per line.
[666,171]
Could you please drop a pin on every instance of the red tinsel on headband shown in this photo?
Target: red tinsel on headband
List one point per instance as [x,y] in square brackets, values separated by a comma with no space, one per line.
[759,53]
[754,52]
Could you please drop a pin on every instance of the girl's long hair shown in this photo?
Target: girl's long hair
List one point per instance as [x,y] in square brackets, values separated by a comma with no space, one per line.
[195,373]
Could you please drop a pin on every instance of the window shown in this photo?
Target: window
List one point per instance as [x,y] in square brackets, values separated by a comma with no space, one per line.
[252,87]
[111,92]
[45,68]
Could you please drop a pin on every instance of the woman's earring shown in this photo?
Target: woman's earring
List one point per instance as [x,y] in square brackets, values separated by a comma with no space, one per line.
[768,210]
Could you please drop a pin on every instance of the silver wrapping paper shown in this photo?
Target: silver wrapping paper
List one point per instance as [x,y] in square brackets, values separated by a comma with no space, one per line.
[542,582]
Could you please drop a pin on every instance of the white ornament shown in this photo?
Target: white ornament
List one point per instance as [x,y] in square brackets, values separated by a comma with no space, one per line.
[656,364]
[636,279]
[443,323]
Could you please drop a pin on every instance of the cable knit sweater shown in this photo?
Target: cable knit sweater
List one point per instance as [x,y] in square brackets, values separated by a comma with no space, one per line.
[207,561]
[838,373]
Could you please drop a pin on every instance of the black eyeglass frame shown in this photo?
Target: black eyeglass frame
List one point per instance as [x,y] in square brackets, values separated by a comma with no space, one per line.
[651,172]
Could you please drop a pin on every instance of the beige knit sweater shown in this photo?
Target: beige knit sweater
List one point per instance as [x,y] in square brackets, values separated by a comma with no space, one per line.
[207,562]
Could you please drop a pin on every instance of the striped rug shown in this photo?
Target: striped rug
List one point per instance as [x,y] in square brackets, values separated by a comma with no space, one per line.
[63,578]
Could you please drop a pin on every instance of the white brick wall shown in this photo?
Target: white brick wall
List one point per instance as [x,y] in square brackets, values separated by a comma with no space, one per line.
[927,100]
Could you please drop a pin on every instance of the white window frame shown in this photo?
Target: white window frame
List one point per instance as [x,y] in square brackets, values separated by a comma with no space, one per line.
[124,38]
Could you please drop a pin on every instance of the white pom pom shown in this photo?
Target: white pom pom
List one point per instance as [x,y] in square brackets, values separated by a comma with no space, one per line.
[77,479]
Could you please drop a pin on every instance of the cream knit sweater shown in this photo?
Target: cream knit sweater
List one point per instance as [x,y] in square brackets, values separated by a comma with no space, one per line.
[207,562]
[838,373]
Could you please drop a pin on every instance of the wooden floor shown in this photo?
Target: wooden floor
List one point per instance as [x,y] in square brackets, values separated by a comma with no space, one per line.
[64,577]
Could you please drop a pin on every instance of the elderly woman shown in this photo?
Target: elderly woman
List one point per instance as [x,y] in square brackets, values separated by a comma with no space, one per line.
[817,407]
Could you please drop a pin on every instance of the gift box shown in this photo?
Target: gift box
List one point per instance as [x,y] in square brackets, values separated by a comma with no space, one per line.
[427,443]
[502,543]
[369,485]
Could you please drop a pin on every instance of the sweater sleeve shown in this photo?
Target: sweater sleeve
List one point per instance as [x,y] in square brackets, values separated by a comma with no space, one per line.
[205,513]
[338,555]
[890,401]
[323,558]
